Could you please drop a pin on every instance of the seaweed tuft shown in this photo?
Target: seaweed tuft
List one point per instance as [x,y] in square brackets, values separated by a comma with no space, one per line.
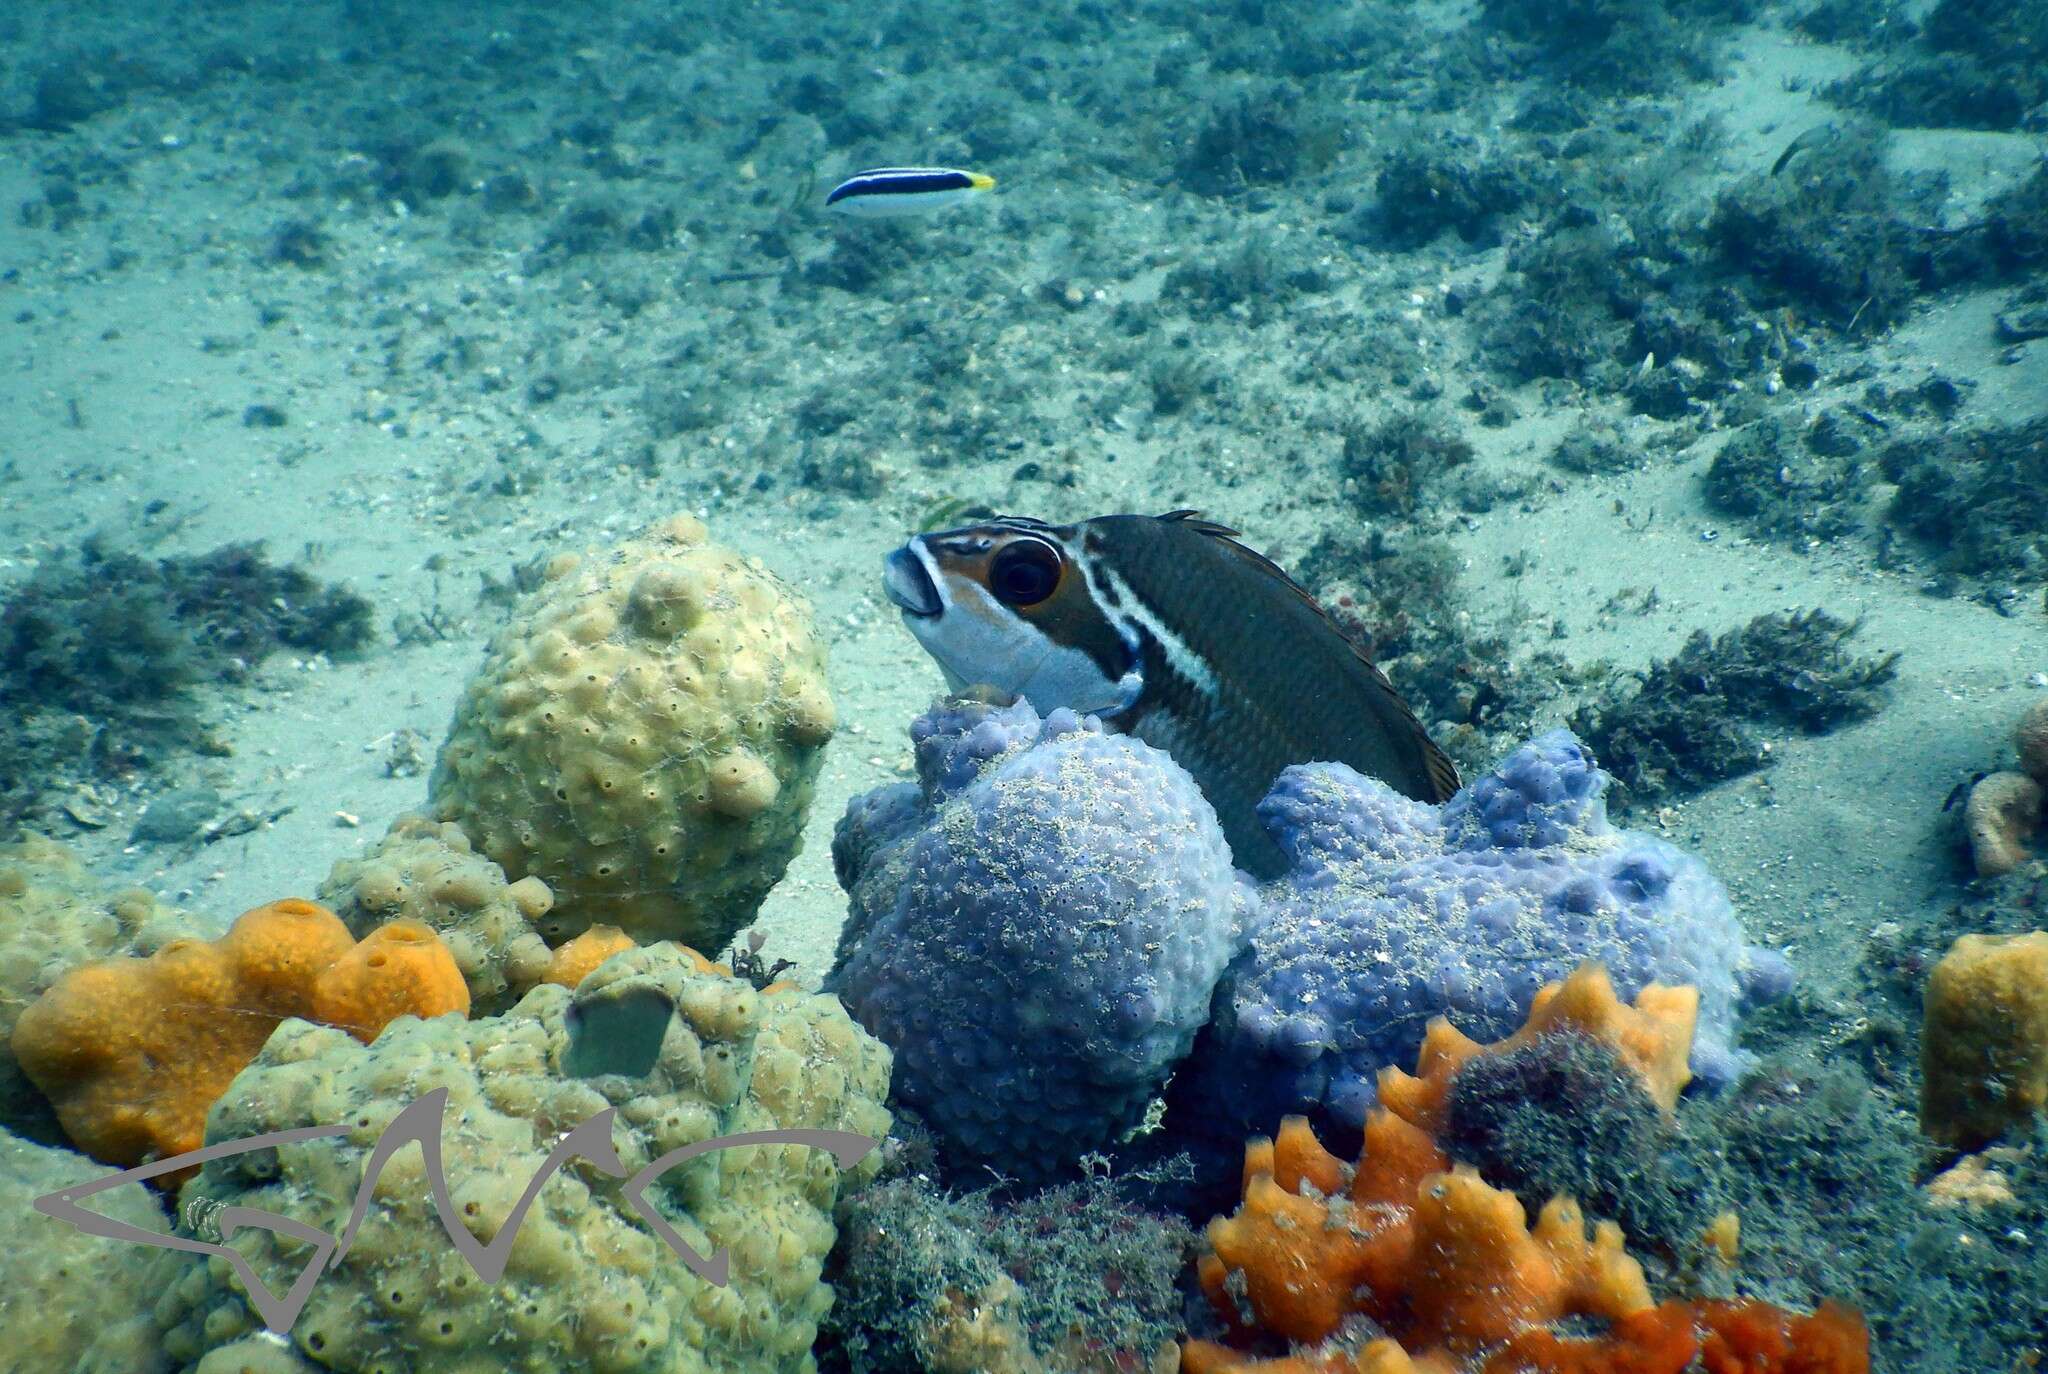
[1687,724]
[1786,489]
[1826,233]
[1075,1278]
[100,654]
[1979,497]
[1256,137]
[1390,466]
[1619,47]
[1420,195]
[1977,64]
[1564,1115]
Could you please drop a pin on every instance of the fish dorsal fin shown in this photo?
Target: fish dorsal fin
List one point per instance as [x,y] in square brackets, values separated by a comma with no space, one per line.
[1443,774]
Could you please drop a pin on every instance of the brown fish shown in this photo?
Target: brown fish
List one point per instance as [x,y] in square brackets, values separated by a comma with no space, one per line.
[1171,630]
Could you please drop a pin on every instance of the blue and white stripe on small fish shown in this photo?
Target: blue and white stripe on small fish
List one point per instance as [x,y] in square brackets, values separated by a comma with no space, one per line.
[882,192]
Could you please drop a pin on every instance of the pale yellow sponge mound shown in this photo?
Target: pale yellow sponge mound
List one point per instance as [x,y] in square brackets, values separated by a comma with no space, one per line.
[1984,1043]
[426,871]
[588,1285]
[62,1290]
[55,916]
[644,739]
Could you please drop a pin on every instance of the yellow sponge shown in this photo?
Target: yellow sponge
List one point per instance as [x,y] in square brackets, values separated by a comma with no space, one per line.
[1984,1046]
[644,739]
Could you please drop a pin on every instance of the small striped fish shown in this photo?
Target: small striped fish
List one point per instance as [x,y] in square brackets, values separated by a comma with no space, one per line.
[1169,629]
[882,192]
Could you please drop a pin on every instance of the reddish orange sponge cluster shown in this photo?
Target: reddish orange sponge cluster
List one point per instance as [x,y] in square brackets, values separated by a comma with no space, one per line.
[1450,1269]
[132,1052]
[1653,1038]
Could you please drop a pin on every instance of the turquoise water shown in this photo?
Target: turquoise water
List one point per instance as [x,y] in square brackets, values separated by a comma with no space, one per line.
[1668,372]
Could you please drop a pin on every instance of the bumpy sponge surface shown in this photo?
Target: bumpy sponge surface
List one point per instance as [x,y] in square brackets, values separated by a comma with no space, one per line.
[132,1052]
[61,1290]
[426,871]
[587,1286]
[644,739]
[1393,912]
[1036,929]
[55,916]
[1984,1046]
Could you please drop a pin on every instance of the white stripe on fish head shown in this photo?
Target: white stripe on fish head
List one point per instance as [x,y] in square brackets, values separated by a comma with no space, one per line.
[1137,621]
[976,639]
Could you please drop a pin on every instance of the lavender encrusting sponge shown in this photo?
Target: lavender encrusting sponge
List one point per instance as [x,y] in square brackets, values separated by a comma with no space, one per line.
[1393,912]
[1035,929]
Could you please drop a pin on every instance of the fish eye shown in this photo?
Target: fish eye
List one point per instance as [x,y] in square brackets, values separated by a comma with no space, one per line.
[1025,572]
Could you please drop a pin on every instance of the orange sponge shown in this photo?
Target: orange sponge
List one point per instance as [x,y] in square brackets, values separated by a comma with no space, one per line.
[1375,1357]
[1743,1337]
[1480,1273]
[578,958]
[399,969]
[132,1052]
[1654,1038]
[1317,1240]
[1449,1268]
[1450,1260]
[1984,1042]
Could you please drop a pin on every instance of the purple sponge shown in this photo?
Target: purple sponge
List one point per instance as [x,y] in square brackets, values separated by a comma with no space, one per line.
[1036,929]
[1393,912]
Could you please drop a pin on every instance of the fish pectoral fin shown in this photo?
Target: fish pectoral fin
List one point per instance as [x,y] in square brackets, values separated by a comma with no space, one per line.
[1129,688]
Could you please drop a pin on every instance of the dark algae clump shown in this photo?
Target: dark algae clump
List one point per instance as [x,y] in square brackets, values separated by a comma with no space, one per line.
[100,653]
[1619,46]
[1259,136]
[1976,64]
[1690,723]
[1824,233]
[1391,465]
[1423,193]
[1596,449]
[1787,487]
[1563,1115]
[1977,497]
[1077,1277]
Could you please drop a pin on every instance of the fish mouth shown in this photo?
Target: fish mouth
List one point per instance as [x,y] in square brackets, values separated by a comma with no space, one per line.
[906,582]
